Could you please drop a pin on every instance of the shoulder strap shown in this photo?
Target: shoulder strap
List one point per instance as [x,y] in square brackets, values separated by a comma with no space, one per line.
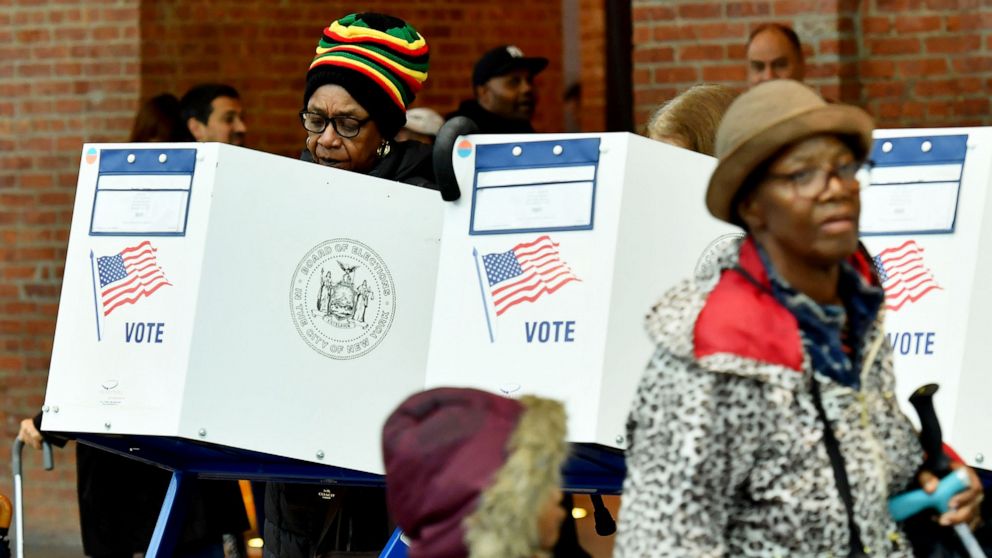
[840,473]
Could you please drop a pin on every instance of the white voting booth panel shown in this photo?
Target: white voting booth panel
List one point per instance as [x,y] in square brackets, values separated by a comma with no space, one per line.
[550,260]
[220,294]
[927,218]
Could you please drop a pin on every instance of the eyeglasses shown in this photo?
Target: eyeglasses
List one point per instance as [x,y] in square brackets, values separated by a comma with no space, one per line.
[344,126]
[811,182]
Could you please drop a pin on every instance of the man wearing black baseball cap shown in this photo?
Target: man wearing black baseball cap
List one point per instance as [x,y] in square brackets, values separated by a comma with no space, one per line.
[503,80]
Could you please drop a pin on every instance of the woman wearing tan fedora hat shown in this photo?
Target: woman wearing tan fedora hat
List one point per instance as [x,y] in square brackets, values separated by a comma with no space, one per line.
[765,424]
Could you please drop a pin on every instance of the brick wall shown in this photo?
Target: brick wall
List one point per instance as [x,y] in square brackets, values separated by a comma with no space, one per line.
[187,41]
[927,63]
[908,62]
[592,50]
[68,74]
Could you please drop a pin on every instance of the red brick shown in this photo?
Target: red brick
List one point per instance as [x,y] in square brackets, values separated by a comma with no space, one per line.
[937,88]
[34,70]
[688,53]
[676,75]
[700,11]
[795,7]
[747,9]
[898,6]
[641,76]
[917,24]
[972,107]
[653,55]
[106,33]
[885,89]
[737,52]
[652,13]
[921,67]
[720,31]
[952,4]
[32,36]
[968,22]
[946,45]
[654,96]
[734,72]
[893,46]
[642,34]
[972,64]
[877,68]
[665,33]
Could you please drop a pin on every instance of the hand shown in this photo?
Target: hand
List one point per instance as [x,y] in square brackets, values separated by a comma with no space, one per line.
[29,434]
[965,507]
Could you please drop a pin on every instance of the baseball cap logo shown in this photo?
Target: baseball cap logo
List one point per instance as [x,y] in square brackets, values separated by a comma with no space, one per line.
[514,51]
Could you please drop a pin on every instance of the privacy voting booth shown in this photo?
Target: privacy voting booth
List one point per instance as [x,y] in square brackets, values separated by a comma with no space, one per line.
[927,218]
[222,295]
[550,260]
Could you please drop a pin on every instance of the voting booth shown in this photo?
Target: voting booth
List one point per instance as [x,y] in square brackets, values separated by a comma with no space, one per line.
[926,216]
[221,295]
[550,260]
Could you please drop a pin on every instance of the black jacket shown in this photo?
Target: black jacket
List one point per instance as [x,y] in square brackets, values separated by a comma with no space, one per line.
[408,162]
[490,123]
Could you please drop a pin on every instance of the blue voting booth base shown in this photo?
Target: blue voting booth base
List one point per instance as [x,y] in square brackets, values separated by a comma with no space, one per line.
[591,469]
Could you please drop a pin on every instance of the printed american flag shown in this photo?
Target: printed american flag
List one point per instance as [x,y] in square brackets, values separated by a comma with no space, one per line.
[526,273]
[904,274]
[128,276]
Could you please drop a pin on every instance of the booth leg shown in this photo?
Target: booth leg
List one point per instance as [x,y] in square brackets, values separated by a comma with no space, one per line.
[169,527]
[395,548]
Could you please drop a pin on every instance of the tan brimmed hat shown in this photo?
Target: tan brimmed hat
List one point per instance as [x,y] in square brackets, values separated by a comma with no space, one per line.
[767,118]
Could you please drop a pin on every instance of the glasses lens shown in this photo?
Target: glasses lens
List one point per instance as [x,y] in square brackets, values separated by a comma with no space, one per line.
[347,127]
[313,122]
[848,171]
[810,183]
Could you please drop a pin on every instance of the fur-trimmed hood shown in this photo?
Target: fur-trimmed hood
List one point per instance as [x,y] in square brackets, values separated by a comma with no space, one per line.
[467,472]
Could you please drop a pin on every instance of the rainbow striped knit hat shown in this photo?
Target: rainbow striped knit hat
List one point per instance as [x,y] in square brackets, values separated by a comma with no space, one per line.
[379,59]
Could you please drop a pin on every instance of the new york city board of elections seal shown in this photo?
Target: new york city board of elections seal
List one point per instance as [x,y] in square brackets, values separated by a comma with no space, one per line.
[342,299]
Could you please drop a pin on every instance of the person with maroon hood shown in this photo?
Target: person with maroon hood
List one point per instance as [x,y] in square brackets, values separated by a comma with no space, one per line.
[473,474]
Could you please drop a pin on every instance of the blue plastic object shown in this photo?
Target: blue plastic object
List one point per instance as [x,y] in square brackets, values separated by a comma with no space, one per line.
[909,504]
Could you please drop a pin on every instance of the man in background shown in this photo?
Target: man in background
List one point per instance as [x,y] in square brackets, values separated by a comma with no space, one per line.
[503,83]
[774,52]
[212,112]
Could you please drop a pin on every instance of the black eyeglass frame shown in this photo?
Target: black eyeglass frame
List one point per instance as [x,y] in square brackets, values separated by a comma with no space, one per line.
[333,121]
[818,177]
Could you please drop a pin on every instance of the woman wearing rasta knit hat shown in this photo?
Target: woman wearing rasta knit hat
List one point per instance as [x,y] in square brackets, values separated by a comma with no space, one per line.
[367,70]
[470,474]
[765,424]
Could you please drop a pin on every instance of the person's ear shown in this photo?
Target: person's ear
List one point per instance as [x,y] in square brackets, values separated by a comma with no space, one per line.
[751,211]
[197,128]
[482,94]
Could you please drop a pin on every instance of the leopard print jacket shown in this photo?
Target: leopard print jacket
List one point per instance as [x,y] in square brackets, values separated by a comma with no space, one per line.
[726,454]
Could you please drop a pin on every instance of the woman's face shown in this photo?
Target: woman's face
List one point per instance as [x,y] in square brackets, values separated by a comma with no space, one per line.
[357,154]
[806,207]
